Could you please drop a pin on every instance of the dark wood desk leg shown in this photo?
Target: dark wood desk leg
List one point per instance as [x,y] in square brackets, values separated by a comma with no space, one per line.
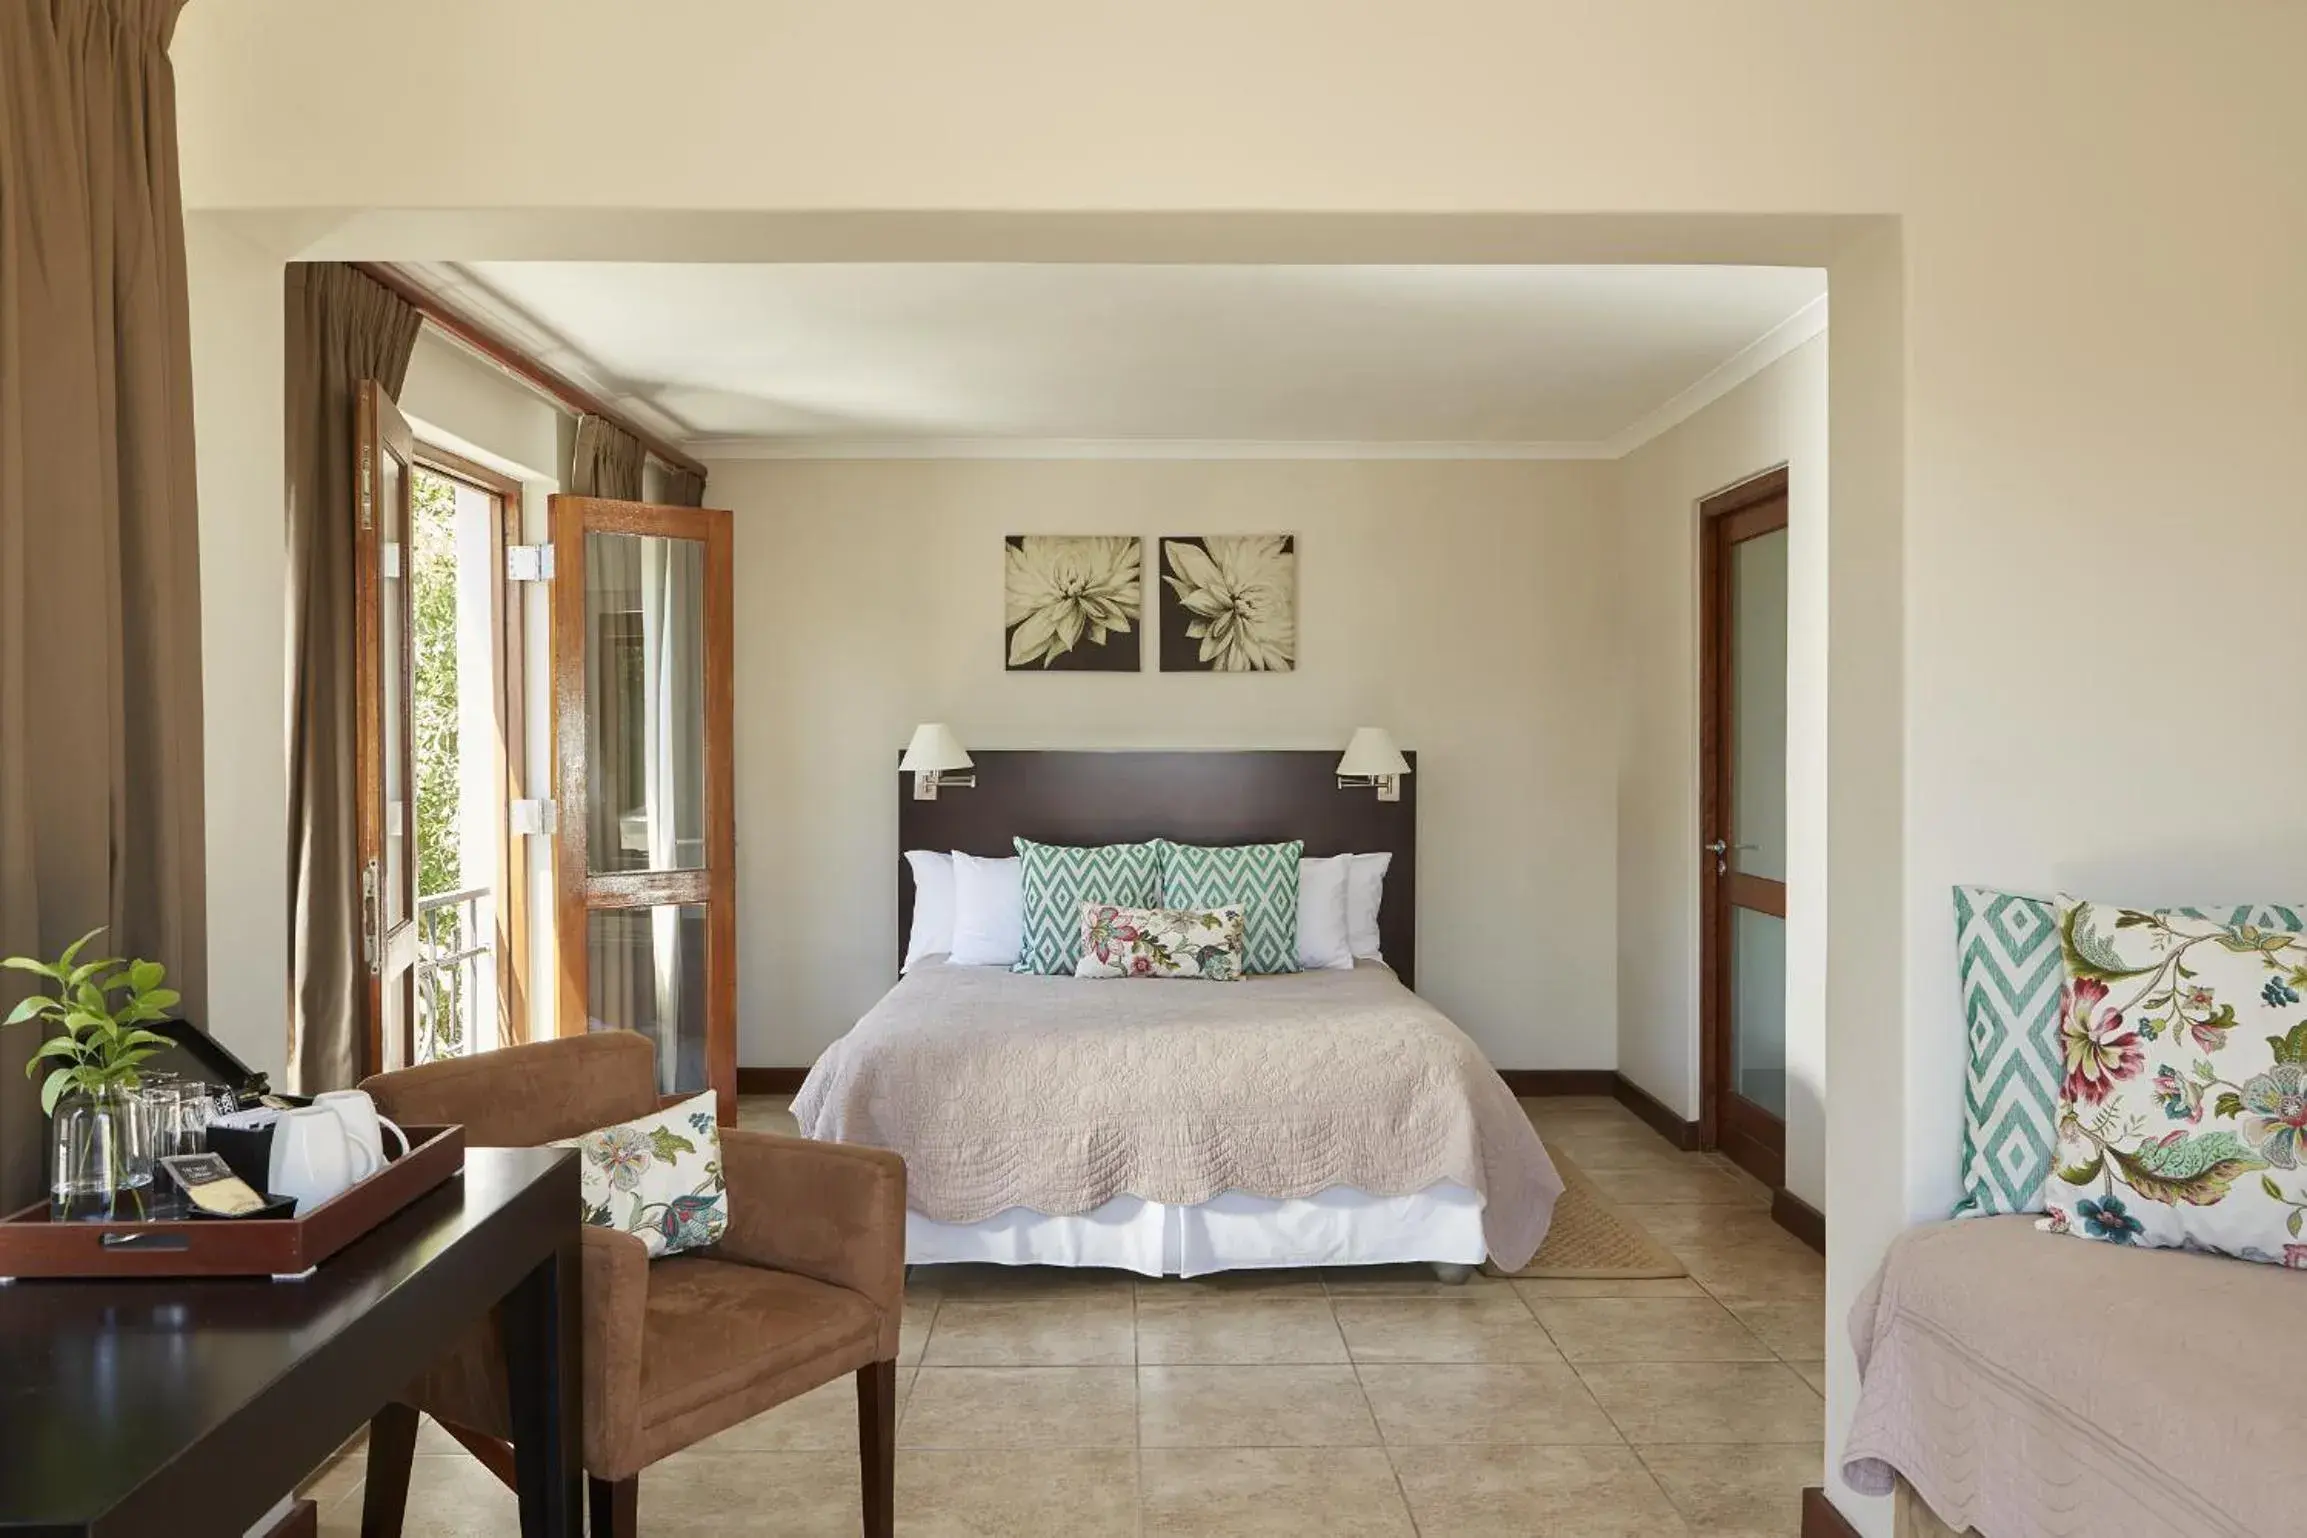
[392,1446]
[543,1319]
[877,1445]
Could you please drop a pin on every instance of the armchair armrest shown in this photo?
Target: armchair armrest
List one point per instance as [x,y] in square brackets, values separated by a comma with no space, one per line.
[834,1212]
[616,1269]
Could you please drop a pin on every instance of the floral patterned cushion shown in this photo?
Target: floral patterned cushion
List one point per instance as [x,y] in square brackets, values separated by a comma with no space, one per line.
[658,1178]
[1161,942]
[2183,1102]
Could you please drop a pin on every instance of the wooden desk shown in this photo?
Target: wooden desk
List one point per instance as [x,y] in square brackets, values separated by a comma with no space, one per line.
[189,1407]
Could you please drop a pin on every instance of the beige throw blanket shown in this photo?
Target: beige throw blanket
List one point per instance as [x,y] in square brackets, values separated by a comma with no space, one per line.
[1059,1094]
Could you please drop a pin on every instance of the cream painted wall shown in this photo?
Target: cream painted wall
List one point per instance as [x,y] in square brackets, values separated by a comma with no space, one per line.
[2066,360]
[1462,605]
[1776,418]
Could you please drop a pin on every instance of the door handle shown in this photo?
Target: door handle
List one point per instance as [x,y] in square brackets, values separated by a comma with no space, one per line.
[1720,849]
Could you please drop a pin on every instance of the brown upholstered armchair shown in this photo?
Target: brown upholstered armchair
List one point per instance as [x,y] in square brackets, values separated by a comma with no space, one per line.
[806,1285]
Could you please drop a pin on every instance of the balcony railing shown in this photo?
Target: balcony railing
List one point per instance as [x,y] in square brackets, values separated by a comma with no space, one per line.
[456,974]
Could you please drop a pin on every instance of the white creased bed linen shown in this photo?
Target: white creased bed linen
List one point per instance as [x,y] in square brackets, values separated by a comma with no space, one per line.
[1058,1094]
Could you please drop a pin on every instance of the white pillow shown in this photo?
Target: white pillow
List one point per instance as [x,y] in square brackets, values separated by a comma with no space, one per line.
[1322,939]
[1365,889]
[988,910]
[932,933]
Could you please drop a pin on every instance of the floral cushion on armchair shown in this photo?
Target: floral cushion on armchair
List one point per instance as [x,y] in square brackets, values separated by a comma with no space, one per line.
[657,1178]
[2182,1115]
[1207,943]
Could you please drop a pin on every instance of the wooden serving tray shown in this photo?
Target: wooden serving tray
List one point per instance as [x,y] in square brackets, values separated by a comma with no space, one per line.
[35,1244]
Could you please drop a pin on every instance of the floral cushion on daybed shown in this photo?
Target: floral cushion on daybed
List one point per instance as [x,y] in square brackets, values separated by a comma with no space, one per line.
[1161,942]
[658,1178]
[2183,1104]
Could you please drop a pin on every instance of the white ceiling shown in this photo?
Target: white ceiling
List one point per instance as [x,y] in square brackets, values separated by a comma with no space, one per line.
[994,358]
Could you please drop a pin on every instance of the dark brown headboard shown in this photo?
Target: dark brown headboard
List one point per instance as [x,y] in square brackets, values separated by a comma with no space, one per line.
[1192,798]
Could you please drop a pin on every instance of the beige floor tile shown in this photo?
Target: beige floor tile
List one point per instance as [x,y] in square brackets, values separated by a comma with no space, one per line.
[1648,1330]
[340,1518]
[1534,1402]
[1813,1373]
[913,1331]
[709,1495]
[824,1420]
[1021,1407]
[1795,1328]
[1770,1271]
[1534,1492]
[994,1282]
[1250,1329]
[1715,1226]
[1286,1282]
[1494,1327]
[1534,1289]
[1065,1330]
[1402,1282]
[1737,1491]
[1046,1494]
[1707,1401]
[1690,1183]
[1252,1407]
[455,1497]
[328,1483]
[1271,1492]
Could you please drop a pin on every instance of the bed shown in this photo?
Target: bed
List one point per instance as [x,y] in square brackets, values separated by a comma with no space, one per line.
[1183,1128]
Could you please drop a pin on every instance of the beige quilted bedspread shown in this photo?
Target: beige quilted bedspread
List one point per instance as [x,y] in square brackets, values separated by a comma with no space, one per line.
[1059,1094]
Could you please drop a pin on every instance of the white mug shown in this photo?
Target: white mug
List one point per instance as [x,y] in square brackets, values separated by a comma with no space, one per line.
[363,1127]
[312,1157]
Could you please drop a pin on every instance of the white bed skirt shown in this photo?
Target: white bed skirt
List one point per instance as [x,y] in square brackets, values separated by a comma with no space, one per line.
[1230,1232]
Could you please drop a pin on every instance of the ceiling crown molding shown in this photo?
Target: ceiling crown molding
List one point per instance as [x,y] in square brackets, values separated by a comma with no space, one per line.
[1737,369]
[1128,448]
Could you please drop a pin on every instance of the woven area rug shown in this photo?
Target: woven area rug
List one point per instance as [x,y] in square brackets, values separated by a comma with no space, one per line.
[1592,1239]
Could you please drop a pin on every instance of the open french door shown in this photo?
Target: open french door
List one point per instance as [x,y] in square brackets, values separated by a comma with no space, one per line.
[383,731]
[645,843]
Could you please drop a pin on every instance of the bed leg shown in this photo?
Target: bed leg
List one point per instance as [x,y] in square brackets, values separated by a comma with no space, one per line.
[1452,1272]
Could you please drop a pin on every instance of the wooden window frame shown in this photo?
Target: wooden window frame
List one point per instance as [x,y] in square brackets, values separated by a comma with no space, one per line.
[509,606]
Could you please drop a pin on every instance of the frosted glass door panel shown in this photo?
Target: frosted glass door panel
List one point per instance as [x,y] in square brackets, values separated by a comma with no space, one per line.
[1758,1005]
[1758,705]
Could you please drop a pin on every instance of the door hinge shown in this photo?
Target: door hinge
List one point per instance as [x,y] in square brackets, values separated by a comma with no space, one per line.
[367,489]
[528,563]
[370,950]
[533,818]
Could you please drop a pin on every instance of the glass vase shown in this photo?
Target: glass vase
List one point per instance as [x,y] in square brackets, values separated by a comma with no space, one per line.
[103,1147]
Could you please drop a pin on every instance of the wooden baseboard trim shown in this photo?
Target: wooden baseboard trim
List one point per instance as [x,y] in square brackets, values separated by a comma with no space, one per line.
[1538,1083]
[1682,1134]
[770,1081]
[1798,1218]
[1820,1519]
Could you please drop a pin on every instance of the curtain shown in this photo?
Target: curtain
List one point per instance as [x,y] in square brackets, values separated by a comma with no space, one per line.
[684,488]
[342,328]
[100,703]
[607,462]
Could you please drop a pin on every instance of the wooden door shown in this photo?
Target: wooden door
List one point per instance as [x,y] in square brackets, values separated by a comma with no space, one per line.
[383,727]
[1743,815]
[645,846]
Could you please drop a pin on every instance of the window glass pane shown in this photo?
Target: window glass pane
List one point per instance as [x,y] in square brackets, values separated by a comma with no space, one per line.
[393,611]
[645,689]
[645,972]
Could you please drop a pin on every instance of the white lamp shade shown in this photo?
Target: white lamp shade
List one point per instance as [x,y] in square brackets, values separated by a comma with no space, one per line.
[933,748]
[1372,753]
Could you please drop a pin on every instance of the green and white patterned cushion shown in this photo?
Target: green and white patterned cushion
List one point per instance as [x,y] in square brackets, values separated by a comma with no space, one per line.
[1260,879]
[2007,947]
[1059,878]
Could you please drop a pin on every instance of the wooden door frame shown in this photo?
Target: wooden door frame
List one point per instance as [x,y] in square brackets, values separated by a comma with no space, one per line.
[1739,511]
[577,890]
[509,699]
[378,422]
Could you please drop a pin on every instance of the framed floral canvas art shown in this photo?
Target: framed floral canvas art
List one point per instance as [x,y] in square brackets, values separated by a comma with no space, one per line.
[1229,603]
[1072,602]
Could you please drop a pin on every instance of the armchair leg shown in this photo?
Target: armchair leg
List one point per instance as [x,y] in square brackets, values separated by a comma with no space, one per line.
[616,1505]
[392,1446]
[877,1446]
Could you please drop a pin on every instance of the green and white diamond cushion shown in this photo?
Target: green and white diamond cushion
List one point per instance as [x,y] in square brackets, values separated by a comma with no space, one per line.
[1059,878]
[1259,879]
[2007,947]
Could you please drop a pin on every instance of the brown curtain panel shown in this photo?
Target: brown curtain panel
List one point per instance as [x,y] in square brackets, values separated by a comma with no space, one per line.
[684,488]
[342,328]
[607,461]
[100,737]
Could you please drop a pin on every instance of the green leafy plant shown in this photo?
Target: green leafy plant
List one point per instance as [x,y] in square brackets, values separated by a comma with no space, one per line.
[102,1008]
